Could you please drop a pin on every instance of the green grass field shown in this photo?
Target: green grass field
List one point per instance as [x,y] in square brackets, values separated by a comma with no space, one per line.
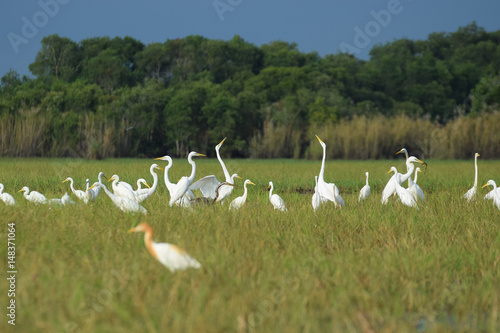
[363,268]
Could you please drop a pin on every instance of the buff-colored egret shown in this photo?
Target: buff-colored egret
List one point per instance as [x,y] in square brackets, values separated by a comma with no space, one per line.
[65,200]
[471,194]
[183,185]
[365,191]
[143,194]
[390,188]
[125,204]
[210,201]
[496,195]
[169,255]
[415,189]
[33,196]
[240,201]
[328,190]
[121,188]
[404,195]
[208,184]
[81,195]
[6,197]
[275,199]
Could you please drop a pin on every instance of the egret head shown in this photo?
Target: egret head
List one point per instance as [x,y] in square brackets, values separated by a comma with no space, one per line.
[24,189]
[114,177]
[248,182]
[235,176]
[490,182]
[142,227]
[413,159]
[321,142]
[156,166]
[393,169]
[418,170]
[193,154]
[67,180]
[366,174]
[477,155]
[220,143]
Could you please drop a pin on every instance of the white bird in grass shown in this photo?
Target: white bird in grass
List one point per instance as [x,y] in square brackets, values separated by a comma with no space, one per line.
[93,193]
[404,195]
[65,200]
[328,190]
[208,184]
[183,185]
[169,255]
[491,194]
[121,189]
[6,197]
[183,201]
[276,200]
[125,204]
[143,194]
[390,188]
[495,193]
[140,182]
[415,189]
[471,194]
[240,201]
[365,191]
[33,196]
[209,201]
[81,195]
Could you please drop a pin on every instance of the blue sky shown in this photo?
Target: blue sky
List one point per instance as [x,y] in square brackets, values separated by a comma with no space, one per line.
[315,25]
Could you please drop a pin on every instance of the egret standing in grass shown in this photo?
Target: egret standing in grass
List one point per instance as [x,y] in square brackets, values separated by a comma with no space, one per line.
[415,189]
[143,194]
[328,190]
[275,199]
[471,194]
[365,191]
[81,195]
[120,188]
[404,195]
[125,204]
[93,193]
[33,196]
[6,197]
[240,201]
[495,194]
[169,255]
[183,201]
[183,185]
[390,188]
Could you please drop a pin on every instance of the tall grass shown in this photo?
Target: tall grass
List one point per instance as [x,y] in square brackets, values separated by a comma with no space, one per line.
[364,268]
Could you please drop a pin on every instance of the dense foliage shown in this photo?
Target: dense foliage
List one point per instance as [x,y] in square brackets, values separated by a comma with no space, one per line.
[104,97]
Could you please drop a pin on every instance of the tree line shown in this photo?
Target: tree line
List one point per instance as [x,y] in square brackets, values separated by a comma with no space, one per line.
[112,97]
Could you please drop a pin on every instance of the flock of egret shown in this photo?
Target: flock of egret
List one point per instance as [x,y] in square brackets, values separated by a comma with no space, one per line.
[181,194]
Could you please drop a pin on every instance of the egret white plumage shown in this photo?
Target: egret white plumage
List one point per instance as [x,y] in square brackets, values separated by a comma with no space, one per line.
[183,201]
[404,195]
[390,188]
[169,255]
[415,189]
[210,201]
[140,182]
[81,195]
[33,196]
[183,185]
[240,201]
[365,190]
[6,197]
[328,190]
[125,204]
[143,194]
[121,188]
[93,193]
[276,200]
[496,195]
[471,194]
[65,200]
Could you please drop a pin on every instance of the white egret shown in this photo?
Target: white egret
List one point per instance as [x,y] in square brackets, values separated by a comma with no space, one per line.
[208,184]
[365,191]
[491,194]
[276,200]
[496,195]
[169,255]
[210,201]
[33,196]
[81,195]
[6,197]
[93,193]
[143,194]
[316,199]
[471,194]
[121,189]
[404,195]
[127,205]
[415,189]
[327,190]
[403,150]
[183,185]
[65,200]
[140,182]
[240,201]
[390,188]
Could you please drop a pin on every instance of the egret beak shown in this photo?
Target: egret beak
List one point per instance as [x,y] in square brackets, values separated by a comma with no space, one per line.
[319,139]
[485,185]
[110,179]
[419,161]
[64,181]
[419,170]
[389,171]
[91,187]
[146,183]
[399,152]
[160,158]
[132,230]
[160,168]
[220,143]
[251,183]
[20,190]
[198,154]
[239,177]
